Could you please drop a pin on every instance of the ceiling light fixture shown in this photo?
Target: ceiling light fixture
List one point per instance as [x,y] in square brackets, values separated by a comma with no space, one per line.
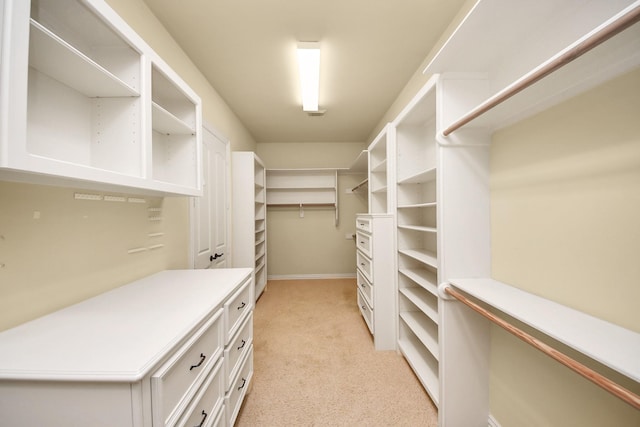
[309,68]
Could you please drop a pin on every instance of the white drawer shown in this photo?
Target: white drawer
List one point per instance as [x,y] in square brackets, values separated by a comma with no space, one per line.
[209,401]
[363,242]
[235,394]
[364,265]
[236,349]
[237,308]
[365,287]
[177,380]
[366,311]
[363,223]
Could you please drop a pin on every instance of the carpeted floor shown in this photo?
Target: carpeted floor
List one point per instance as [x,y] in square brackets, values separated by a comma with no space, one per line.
[314,364]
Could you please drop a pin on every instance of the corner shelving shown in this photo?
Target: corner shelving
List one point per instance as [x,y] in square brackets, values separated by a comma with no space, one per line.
[76,109]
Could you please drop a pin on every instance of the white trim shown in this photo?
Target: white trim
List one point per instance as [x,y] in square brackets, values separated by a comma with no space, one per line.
[312,276]
[493,422]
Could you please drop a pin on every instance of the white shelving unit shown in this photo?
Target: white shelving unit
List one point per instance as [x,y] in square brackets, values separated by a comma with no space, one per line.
[303,188]
[86,102]
[489,70]
[250,215]
[381,171]
[418,236]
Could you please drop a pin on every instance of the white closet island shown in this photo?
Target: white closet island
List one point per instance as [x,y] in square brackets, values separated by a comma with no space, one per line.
[174,348]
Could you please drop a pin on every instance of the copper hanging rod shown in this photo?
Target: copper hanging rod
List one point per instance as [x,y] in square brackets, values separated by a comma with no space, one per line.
[610,30]
[588,373]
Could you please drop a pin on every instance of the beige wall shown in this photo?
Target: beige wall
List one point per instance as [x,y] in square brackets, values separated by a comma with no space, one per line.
[313,245]
[565,210]
[77,249]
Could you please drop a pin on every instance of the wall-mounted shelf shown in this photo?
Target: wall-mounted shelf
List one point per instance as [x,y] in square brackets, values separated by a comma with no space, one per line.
[303,188]
[75,109]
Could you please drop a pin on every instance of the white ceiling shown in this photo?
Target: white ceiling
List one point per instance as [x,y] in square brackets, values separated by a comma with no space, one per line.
[246,49]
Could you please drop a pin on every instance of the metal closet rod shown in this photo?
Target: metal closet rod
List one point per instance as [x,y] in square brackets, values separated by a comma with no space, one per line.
[588,373]
[615,27]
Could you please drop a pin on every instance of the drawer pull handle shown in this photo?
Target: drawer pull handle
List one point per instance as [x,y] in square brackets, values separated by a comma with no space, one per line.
[242,345]
[244,381]
[242,305]
[362,285]
[204,417]
[362,264]
[202,357]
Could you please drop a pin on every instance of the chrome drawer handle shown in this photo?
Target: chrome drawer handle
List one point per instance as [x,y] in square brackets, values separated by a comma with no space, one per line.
[204,417]
[242,305]
[202,357]
[244,381]
[243,343]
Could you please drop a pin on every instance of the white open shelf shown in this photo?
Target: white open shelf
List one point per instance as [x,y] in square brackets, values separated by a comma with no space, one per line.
[610,344]
[499,54]
[56,58]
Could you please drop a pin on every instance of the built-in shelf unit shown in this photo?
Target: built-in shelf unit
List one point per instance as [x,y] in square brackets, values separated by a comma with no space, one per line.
[303,188]
[418,237]
[86,102]
[249,215]
[530,60]
[381,171]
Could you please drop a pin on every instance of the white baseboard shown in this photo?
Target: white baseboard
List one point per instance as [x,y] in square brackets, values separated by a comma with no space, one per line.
[493,422]
[312,276]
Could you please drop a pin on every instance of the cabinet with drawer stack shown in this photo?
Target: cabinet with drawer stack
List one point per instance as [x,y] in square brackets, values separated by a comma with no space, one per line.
[375,277]
[172,349]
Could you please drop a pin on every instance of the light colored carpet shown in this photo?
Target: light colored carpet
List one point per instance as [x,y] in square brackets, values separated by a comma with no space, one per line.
[315,365]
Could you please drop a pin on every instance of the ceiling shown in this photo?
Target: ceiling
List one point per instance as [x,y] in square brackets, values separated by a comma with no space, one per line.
[246,49]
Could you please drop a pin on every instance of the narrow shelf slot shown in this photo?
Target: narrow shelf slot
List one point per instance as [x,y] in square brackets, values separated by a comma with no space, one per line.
[423,300]
[422,255]
[418,205]
[424,329]
[418,228]
[422,277]
[421,361]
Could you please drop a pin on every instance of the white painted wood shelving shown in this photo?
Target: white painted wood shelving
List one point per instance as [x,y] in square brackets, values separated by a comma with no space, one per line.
[418,236]
[381,171]
[85,102]
[489,70]
[301,188]
[250,215]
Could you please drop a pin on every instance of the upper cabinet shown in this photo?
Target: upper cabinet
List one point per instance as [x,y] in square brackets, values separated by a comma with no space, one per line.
[536,54]
[84,98]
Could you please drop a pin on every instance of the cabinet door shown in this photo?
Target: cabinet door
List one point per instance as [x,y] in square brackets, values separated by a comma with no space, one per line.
[209,214]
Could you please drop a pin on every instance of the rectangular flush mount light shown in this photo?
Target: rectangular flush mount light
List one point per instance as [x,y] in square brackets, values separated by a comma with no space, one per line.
[309,66]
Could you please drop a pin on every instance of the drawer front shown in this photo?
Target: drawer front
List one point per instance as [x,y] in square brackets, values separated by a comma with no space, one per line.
[363,223]
[237,308]
[237,391]
[363,242]
[237,348]
[175,383]
[366,311]
[365,287]
[364,265]
[208,402]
